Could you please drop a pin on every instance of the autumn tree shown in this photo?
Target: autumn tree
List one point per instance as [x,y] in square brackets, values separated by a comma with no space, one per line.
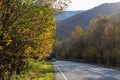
[77,41]
[96,34]
[27,33]
[100,43]
[72,47]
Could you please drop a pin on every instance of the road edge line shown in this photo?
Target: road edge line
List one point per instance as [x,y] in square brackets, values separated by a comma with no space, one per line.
[65,78]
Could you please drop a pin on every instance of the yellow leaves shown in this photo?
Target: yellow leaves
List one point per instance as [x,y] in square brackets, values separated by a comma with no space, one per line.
[28,50]
[22,3]
[25,39]
[8,42]
[40,56]
[41,12]
[1,48]
[6,72]
[29,59]
[30,36]
[9,66]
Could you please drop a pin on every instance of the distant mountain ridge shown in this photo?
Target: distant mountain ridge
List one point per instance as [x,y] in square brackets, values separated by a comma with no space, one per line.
[67,14]
[65,27]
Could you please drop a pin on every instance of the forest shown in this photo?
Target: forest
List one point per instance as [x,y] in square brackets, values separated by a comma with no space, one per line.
[99,43]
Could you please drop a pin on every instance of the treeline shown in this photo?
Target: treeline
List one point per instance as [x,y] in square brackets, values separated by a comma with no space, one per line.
[27,33]
[100,43]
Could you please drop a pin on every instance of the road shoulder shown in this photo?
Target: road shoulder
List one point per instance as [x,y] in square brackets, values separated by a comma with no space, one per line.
[57,72]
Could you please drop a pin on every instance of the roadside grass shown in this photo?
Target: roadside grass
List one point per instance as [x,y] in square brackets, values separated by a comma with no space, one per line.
[36,71]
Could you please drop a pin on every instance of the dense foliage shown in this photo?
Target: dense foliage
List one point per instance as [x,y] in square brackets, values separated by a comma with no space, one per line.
[99,44]
[27,33]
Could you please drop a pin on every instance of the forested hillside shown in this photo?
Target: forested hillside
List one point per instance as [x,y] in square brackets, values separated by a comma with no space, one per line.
[100,43]
[65,27]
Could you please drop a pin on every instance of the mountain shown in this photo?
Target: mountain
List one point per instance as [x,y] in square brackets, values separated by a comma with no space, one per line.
[65,27]
[116,17]
[66,14]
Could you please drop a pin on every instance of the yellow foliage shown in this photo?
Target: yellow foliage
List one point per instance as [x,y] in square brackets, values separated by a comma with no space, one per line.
[1,48]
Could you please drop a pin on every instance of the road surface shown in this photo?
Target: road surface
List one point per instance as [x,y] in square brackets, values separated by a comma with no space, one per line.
[67,70]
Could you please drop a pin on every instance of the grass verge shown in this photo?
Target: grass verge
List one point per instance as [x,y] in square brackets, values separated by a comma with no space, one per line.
[36,71]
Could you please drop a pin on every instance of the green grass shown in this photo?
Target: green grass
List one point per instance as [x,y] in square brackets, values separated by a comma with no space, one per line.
[36,71]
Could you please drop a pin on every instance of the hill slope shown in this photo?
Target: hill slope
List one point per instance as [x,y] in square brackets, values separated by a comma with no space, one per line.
[67,14]
[65,27]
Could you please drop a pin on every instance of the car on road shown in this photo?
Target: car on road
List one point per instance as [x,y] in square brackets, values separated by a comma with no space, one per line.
[53,57]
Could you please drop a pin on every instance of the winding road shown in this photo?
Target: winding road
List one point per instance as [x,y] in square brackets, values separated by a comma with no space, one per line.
[67,70]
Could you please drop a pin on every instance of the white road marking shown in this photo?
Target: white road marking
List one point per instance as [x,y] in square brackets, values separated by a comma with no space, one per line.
[65,78]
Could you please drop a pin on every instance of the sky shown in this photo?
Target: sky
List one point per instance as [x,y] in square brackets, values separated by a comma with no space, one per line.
[87,4]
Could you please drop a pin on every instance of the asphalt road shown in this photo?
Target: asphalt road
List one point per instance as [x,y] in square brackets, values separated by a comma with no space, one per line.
[67,70]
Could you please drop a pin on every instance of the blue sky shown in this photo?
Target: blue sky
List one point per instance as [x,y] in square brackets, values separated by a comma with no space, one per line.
[87,4]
